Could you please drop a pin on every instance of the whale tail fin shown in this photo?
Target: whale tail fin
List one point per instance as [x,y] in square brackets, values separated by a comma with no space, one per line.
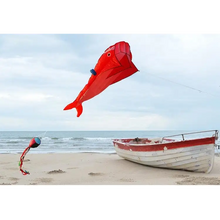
[79,107]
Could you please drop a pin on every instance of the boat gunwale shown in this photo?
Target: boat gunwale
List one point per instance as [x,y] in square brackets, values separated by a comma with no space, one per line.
[163,146]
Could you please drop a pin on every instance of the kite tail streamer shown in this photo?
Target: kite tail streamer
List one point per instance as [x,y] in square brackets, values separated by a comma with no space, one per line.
[24,172]
[35,142]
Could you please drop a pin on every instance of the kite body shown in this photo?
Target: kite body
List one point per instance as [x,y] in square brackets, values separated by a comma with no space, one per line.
[114,65]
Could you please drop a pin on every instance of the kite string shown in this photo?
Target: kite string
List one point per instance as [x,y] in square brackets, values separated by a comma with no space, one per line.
[184,85]
[42,136]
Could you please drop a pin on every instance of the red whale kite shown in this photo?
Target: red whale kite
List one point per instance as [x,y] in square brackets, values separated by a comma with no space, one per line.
[114,65]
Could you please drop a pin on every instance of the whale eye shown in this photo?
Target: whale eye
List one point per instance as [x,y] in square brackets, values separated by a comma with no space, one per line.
[108,54]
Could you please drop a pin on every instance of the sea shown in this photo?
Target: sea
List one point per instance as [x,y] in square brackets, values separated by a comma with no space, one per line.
[14,142]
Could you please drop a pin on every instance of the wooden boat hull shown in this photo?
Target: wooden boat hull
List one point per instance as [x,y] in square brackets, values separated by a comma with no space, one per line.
[193,155]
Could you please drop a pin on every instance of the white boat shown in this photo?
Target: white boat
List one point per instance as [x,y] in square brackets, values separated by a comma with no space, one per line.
[185,153]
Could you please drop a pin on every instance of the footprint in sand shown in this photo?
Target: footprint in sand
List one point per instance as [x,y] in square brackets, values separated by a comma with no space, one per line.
[200,181]
[9,183]
[11,168]
[5,183]
[13,178]
[127,180]
[95,174]
[181,176]
[10,179]
[55,171]
[70,168]
[45,180]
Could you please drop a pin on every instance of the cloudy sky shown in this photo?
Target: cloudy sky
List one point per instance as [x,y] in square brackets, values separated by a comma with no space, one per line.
[177,86]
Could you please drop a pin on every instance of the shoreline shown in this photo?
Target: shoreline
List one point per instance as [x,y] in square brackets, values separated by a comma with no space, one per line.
[95,169]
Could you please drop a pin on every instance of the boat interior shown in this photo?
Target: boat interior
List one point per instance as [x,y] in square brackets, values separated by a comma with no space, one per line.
[171,138]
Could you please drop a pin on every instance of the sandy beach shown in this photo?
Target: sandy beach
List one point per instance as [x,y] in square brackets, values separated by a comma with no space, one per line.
[95,169]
